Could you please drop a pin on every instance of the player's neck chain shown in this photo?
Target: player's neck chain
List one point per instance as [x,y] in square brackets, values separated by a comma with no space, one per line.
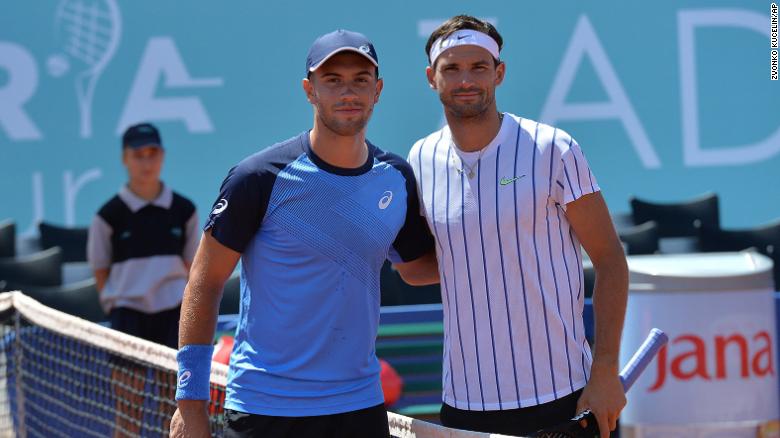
[465,168]
[469,170]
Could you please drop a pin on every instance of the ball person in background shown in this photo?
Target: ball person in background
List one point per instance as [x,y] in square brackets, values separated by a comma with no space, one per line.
[141,244]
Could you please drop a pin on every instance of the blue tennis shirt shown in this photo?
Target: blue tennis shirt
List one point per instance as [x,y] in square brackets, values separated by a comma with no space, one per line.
[313,239]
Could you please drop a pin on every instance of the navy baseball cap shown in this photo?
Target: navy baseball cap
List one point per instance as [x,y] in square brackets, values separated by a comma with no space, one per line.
[143,134]
[338,41]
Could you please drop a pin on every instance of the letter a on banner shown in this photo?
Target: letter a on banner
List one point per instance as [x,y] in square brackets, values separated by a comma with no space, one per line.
[584,41]
[162,60]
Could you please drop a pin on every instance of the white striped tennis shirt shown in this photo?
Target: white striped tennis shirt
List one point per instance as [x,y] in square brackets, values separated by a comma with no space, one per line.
[509,262]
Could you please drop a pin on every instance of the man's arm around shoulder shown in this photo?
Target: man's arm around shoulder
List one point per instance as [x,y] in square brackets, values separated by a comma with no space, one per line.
[212,266]
[421,271]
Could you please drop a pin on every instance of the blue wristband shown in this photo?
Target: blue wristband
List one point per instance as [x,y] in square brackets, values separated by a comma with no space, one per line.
[192,382]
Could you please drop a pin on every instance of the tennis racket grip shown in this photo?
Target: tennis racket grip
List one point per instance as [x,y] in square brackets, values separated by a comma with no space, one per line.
[642,357]
[628,375]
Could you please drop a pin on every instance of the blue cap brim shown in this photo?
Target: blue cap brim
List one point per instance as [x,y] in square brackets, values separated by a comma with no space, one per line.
[143,144]
[344,49]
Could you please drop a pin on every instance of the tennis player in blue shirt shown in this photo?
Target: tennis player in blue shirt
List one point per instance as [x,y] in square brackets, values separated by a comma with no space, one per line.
[312,220]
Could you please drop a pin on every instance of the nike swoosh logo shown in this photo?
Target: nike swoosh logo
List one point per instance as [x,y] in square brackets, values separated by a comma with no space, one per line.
[460,37]
[504,181]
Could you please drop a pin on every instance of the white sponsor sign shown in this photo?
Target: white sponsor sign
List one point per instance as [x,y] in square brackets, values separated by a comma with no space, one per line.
[720,363]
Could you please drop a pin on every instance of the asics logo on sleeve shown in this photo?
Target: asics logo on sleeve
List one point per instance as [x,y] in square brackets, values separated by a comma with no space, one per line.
[504,181]
[220,207]
[385,200]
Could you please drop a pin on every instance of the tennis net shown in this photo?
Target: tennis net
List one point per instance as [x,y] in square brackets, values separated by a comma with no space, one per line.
[61,376]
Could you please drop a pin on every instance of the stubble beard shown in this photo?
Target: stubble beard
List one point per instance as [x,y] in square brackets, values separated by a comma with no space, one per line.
[345,128]
[474,110]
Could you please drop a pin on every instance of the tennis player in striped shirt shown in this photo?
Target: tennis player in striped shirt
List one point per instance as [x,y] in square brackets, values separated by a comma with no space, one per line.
[510,201]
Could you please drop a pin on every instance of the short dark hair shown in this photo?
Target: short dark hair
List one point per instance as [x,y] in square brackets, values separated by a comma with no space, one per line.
[461,22]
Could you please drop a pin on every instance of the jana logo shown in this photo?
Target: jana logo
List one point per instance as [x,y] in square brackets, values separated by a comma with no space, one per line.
[88,33]
[734,356]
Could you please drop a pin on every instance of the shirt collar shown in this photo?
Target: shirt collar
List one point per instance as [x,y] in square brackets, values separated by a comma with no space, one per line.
[322,164]
[135,203]
[504,130]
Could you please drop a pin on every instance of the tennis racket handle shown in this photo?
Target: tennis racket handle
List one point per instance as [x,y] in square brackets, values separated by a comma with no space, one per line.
[642,357]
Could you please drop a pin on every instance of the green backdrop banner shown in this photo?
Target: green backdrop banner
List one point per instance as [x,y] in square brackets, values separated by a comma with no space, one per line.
[667,99]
